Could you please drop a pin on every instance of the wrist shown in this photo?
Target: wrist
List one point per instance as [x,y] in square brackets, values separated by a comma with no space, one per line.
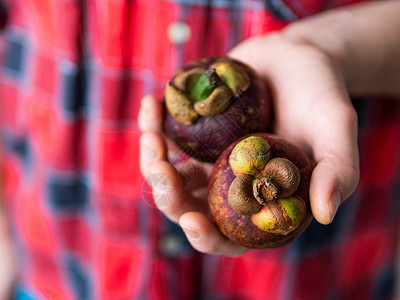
[330,44]
[355,39]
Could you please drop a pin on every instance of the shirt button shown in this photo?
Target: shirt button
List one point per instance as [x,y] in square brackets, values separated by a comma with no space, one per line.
[178,32]
[171,245]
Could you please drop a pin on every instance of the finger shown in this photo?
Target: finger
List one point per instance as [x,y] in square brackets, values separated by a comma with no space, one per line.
[150,118]
[331,183]
[150,114]
[205,237]
[169,192]
[152,149]
[337,173]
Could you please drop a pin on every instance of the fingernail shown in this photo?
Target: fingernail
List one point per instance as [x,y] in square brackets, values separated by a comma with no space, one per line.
[334,202]
[191,233]
[148,153]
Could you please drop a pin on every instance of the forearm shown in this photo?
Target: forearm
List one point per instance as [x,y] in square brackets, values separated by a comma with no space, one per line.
[362,40]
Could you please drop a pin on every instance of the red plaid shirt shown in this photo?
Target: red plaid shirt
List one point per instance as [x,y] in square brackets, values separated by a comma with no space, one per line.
[72,75]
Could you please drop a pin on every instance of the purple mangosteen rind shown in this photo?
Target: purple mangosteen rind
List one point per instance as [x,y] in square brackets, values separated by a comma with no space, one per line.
[247,112]
[239,228]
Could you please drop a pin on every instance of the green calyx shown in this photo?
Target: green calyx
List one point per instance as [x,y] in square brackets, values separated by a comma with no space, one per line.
[250,156]
[294,209]
[281,217]
[202,88]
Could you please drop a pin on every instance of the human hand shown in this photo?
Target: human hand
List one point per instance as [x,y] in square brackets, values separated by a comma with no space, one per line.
[309,66]
[182,193]
[312,110]
[8,273]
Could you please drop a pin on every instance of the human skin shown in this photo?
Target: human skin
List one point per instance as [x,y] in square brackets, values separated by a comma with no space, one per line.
[8,272]
[312,67]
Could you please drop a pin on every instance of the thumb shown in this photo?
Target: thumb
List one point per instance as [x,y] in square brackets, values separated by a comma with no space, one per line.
[335,150]
[332,182]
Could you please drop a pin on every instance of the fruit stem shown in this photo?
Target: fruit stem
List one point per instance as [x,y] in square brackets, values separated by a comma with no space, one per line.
[205,85]
[264,190]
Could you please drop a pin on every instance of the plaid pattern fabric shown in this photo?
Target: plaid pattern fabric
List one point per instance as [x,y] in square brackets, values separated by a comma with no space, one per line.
[72,76]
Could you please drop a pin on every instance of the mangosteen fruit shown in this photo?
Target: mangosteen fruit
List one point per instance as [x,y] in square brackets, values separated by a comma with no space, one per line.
[211,102]
[259,191]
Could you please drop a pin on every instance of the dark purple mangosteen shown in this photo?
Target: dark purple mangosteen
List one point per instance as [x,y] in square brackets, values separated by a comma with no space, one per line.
[213,101]
[258,191]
